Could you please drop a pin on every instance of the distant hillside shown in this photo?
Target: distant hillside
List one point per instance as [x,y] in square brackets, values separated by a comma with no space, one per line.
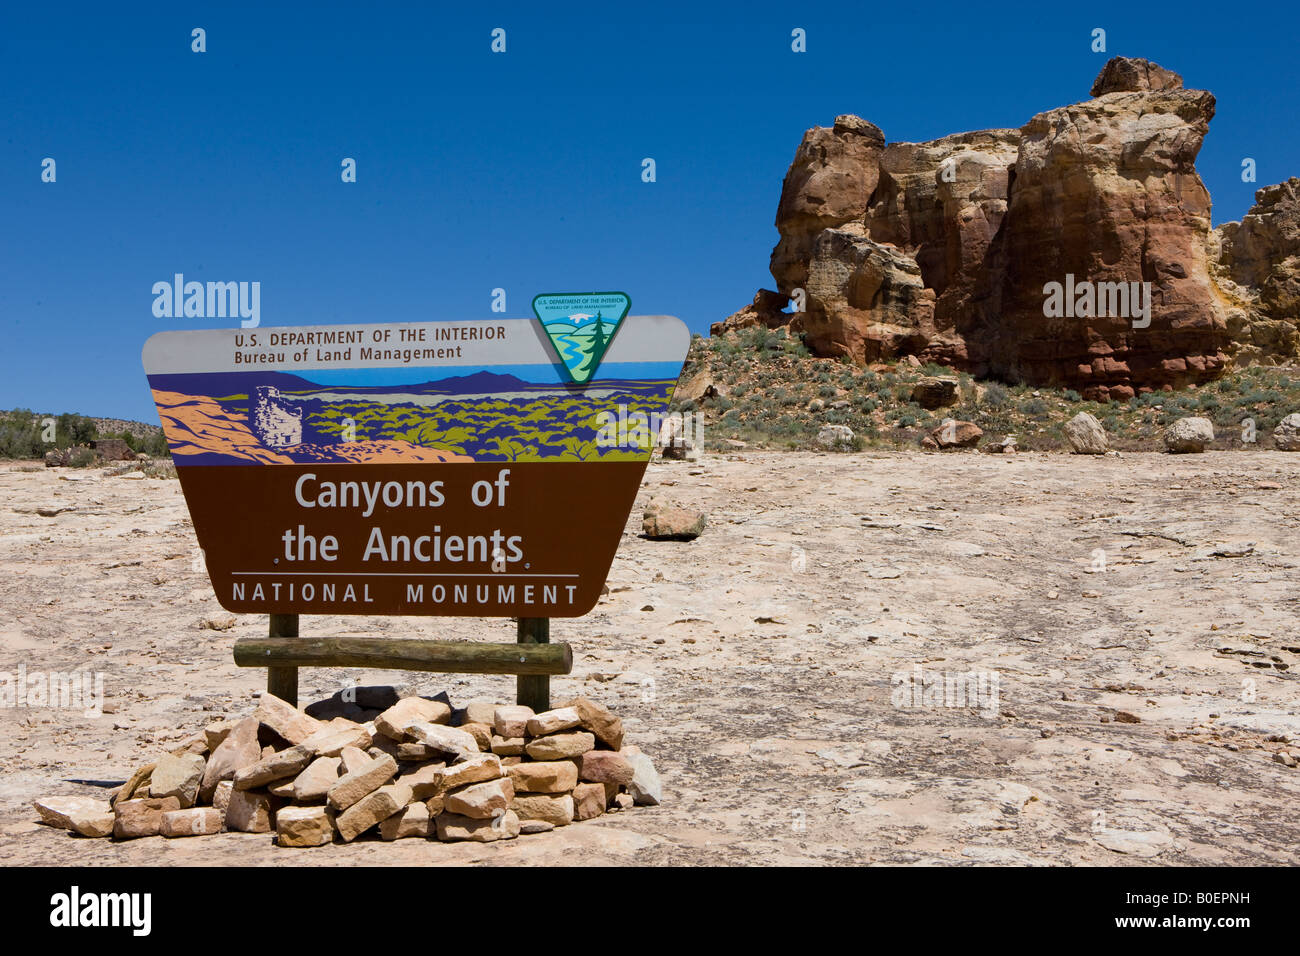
[115,427]
[24,434]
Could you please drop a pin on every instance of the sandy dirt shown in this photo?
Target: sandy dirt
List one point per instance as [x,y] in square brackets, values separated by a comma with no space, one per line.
[1139,616]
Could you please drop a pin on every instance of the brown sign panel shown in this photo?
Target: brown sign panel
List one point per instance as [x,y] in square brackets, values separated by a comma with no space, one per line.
[375,470]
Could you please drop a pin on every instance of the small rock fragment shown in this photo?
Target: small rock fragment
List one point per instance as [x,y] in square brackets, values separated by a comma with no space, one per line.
[141,816]
[554,809]
[552,721]
[85,816]
[304,826]
[544,776]
[393,722]
[372,809]
[452,826]
[195,821]
[511,720]
[480,800]
[560,746]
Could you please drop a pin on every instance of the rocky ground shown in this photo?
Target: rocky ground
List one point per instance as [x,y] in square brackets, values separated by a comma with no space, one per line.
[761,386]
[1139,616]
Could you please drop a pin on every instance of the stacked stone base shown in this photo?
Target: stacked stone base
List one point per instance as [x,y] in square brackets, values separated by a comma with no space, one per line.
[401,767]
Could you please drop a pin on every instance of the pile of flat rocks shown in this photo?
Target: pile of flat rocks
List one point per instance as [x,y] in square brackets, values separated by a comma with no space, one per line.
[368,762]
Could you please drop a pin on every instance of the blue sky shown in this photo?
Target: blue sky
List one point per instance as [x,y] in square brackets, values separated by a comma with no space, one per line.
[519,170]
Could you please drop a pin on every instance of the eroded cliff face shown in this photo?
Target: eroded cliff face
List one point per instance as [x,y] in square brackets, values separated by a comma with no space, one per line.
[833,175]
[947,249]
[1107,191]
[1256,267]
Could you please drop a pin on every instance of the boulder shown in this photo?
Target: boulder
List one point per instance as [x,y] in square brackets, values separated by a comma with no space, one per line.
[835,437]
[1007,446]
[1189,435]
[371,810]
[85,816]
[141,816]
[954,434]
[1286,436]
[545,776]
[589,800]
[480,800]
[304,826]
[425,781]
[331,741]
[507,746]
[932,393]
[552,721]
[606,766]
[452,741]
[453,826]
[1086,435]
[602,722]
[285,720]
[216,732]
[275,766]
[413,821]
[393,722]
[195,821]
[472,769]
[556,809]
[238,750]
[511,720]
[314,783]
[250,811]
[177,776]
[665,522]
[482,734]
[352,787]
[560,746]
[645,788]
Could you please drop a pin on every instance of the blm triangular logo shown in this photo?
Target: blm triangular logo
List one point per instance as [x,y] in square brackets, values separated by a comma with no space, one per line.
[581,325]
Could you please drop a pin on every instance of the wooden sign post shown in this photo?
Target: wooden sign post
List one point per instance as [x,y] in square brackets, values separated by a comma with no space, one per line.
[479,468]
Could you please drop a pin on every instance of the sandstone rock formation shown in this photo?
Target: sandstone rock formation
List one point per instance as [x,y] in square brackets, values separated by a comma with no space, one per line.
[833,175]
[947,250]
[1107,192]
[1258,273]
[765,310]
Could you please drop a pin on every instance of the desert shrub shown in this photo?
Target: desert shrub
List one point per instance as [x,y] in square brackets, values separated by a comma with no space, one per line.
[82,458]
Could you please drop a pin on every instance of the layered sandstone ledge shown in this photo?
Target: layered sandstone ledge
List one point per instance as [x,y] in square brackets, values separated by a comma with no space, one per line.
[944,250]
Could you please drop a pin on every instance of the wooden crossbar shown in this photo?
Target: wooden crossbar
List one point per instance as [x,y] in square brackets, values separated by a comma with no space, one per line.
[533,658]
[465,657]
